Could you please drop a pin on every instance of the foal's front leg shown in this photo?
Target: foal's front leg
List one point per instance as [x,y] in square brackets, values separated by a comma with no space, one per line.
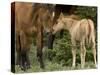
[74,53]
[74,57]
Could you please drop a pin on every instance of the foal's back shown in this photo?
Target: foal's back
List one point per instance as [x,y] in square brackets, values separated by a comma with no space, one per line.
[81,29]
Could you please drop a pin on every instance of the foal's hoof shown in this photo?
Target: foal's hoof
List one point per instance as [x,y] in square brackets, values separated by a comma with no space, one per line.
[82,66]
[96,66]
[73,67]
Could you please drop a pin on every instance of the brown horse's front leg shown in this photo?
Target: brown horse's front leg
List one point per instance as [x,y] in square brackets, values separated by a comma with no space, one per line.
[40,57]
[18,50]
[39,41]
[24,51]
[18,61]
[27,60]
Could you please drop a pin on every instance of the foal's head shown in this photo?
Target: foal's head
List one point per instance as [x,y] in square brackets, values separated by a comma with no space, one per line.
[65,22]
[59,25]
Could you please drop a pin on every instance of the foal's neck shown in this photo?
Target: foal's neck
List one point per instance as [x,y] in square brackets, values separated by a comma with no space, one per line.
[71,24]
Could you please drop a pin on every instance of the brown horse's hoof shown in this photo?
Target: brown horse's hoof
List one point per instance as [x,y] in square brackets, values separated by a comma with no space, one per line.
[22,68]
[28,66]
[25,67]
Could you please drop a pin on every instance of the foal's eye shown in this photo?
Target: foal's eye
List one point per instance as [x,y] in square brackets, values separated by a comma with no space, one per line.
[58,20]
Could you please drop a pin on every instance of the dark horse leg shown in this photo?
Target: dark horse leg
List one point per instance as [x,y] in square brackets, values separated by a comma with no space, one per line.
[18,58]
[24,49]
[18,49]
[27,60]
[61,33]
[50,40]
[25,63]
[50,44]
[50,35]
[39,42]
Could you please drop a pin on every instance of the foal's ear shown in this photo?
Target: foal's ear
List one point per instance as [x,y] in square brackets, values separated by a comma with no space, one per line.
[61,15]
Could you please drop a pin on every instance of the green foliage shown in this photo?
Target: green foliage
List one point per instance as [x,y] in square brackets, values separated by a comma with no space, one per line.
[62,48]
[87,12]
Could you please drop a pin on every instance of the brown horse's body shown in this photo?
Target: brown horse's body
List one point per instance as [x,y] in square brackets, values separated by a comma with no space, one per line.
[23,32]
[30,19]
[80,30]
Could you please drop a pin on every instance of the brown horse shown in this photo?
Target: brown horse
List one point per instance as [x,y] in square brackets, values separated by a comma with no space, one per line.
[30,19]
[80,30]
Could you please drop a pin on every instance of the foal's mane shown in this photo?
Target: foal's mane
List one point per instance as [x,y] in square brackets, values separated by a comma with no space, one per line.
[75,17]
[72,16]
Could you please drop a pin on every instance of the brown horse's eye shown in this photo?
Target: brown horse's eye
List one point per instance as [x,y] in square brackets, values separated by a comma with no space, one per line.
[49,17]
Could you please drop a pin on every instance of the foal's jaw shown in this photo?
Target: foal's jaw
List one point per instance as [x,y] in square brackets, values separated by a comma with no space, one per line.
[54,30]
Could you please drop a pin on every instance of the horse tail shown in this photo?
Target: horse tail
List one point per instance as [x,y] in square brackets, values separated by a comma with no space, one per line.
[91,35]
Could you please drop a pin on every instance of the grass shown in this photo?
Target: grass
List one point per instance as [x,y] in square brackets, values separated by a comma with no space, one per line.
[49,65]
